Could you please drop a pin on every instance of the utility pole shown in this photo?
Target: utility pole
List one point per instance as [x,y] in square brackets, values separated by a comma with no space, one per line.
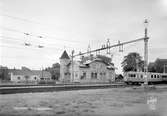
[164,68]
[108,44]
[42,72]
[137,65]
[72,66]
[146,52]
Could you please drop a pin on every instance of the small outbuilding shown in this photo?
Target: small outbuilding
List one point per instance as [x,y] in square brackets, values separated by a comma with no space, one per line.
[27,75]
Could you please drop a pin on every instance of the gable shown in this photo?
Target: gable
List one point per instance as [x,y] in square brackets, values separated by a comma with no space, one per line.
[64,55]
[97,65]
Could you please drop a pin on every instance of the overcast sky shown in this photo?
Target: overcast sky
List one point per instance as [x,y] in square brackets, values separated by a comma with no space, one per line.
[73,24]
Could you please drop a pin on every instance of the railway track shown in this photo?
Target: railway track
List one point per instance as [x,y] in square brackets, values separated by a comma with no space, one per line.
[50,88]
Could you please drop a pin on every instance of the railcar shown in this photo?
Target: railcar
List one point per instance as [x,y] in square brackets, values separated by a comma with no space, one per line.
[139,77]
[164,78]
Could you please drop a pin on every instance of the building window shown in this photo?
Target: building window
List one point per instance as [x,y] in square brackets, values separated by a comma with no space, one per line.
[47,78]
[94,75]
[76,75]
[83,76]
[18,78]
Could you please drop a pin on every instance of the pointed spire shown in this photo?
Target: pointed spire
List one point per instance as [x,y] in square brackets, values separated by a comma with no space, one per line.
[64,55]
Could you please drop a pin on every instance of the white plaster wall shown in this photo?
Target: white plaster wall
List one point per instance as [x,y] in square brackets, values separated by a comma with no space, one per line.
[64,69]
[96,67]
[14,78]
[33,76]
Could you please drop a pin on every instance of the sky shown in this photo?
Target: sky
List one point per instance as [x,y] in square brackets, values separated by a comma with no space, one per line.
[75,24]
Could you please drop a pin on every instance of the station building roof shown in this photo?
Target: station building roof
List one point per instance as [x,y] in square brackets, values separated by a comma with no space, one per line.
[64,55]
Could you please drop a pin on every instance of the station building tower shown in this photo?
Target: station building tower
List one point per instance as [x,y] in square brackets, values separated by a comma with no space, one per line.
[64,67]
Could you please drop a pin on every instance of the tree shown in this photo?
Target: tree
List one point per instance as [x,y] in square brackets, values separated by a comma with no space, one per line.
[159,65]
[132,61]
[54,70]
[151,67]
[4,73]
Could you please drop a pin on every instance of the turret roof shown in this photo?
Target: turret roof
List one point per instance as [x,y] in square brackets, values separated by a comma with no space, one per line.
[64,55]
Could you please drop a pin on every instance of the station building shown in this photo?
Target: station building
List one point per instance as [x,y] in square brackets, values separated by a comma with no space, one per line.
[88,69]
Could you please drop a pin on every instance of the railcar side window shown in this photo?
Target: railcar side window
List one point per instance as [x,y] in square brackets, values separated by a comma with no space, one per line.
[154,76]
[141,76]
[157,76]
[132,75]
[151,76]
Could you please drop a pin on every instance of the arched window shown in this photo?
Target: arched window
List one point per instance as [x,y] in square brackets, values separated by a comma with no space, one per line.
[18,78]
[94,75]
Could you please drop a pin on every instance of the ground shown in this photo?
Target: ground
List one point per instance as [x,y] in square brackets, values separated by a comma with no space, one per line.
[95,102]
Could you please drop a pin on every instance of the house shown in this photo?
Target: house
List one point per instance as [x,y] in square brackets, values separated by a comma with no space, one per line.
[27,75]
[159,66]
[88,69]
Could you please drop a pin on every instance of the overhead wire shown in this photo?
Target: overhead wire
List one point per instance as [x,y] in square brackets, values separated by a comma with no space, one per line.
[28,48]
[32,43]
[30,21]
[41,36]
[21,57]
[23,47]
[18,18]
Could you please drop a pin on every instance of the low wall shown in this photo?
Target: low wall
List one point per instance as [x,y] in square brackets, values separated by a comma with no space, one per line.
[28,89]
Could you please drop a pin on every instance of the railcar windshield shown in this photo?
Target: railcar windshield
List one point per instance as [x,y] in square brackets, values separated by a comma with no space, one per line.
[164,76]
